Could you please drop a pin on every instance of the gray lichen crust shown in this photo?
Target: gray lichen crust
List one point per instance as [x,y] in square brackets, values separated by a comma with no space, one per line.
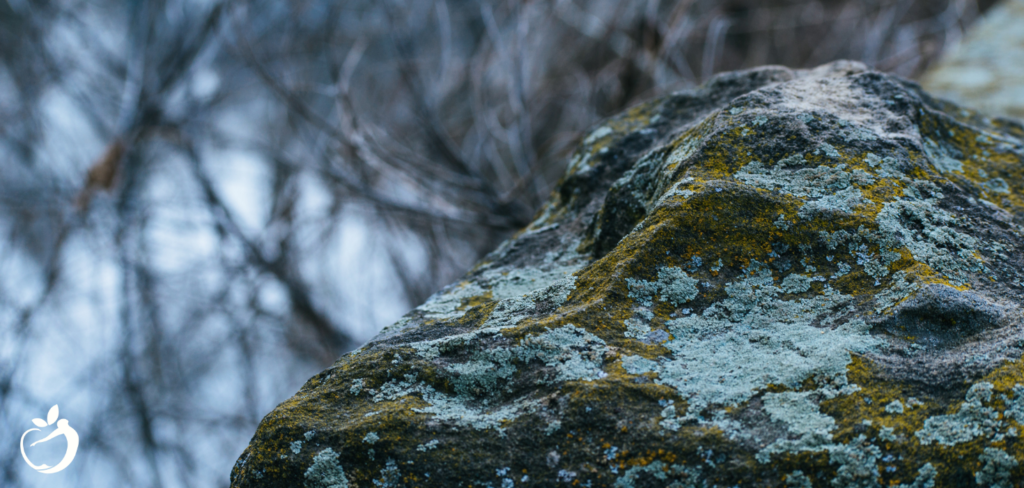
[782,278]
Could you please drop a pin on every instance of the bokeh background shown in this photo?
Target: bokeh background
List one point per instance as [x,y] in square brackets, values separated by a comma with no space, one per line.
[203,203]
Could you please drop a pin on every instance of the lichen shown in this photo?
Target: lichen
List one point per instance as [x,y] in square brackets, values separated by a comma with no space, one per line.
[894,407]
[829,150]
[899,290]
[925,477]
[887,434]
[928,233]
[941,158]
[507,313]
[972,419]
[796,283]
[797,479]
[815,182]
[752,339]
[357,386]
[428,446]
[673,285]
[858,463]
[996,471]
[573,353]
[802,418]
[325,472]
[658,470]
[778,279]
[445,305]
[516,282]
[390,476]
[599,133]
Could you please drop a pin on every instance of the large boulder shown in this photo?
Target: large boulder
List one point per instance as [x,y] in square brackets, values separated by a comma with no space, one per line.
[782,278]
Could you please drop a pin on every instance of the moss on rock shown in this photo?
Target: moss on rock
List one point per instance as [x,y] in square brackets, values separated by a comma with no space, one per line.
[783,278]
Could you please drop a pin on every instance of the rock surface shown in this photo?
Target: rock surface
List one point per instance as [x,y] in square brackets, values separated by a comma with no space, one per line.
[783,278]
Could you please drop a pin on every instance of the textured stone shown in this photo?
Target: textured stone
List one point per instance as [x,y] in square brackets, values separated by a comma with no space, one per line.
[782,278]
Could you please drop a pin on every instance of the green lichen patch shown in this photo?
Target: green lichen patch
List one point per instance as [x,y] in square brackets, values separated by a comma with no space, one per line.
[325,472]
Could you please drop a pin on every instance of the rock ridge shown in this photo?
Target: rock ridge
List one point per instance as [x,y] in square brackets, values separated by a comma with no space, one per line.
[781,278]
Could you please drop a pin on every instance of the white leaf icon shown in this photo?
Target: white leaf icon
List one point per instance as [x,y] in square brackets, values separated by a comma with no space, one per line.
[39,422]
[52,416]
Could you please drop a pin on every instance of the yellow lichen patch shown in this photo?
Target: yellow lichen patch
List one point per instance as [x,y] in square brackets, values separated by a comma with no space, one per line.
[483,303]
[872,412]
[880,193]
[718,161]
[722,222]
[864,413]
[989,167]
[870,402]
[1007,376]
[1008,382]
